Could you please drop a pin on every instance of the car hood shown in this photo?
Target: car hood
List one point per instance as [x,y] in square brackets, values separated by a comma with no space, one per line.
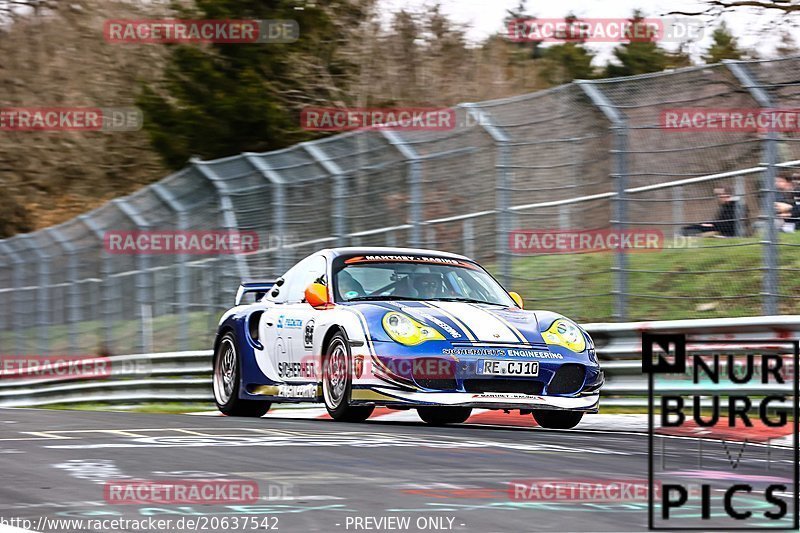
[460,321]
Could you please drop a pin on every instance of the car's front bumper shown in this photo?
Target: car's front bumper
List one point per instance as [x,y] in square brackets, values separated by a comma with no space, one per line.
[382,395]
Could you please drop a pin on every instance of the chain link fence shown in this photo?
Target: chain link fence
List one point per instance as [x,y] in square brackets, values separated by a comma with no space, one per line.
[590,156]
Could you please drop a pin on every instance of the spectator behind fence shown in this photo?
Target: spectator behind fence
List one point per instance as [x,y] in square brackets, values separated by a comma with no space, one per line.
[787,202]
[724,224]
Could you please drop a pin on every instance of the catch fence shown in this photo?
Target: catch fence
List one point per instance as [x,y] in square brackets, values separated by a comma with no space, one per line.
[590,156]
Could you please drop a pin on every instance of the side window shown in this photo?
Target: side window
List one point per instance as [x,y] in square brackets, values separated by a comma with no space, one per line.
[304,274]
[372,279]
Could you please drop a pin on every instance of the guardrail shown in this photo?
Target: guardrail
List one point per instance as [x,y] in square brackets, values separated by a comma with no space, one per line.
[185,376]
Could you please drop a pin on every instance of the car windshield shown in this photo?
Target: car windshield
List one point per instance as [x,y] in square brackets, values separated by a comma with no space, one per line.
[366,278]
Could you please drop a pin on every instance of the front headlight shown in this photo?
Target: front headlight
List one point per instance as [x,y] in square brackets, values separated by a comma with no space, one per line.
[405,330]
[565,333]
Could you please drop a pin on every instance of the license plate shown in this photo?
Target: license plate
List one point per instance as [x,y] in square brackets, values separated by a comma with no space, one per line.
[489,367]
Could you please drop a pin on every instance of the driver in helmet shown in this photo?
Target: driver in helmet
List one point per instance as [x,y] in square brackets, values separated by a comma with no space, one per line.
[428,285]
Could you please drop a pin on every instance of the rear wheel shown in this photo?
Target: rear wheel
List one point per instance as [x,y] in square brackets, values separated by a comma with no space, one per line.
[439,416]
[226,382]
[552,419]
[337,383]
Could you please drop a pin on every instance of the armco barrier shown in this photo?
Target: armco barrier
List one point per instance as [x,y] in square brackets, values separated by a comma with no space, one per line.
[185,376]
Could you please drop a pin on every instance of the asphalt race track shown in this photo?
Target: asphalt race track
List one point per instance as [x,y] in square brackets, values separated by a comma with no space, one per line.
[319,475]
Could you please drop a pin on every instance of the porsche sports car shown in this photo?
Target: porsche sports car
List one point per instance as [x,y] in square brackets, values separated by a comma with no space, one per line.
[401,328]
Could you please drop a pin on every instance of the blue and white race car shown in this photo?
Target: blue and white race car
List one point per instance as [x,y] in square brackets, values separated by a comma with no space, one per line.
[401,328]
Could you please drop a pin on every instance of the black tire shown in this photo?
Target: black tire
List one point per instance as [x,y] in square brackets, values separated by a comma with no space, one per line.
[440,416]
[226,392]
[337,382]
[553,419]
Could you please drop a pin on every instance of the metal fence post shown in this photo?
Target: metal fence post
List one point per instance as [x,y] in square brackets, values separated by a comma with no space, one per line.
[107,296]
[769,287]
[339,196]
[677,212]
[468,237]
[143,282]
[503,184]
[619,126]
[42,322]
[228,213]
[414,184]
[278,202]
[740,190]
[564,217]
[17,320]
[183,273]
[73,297]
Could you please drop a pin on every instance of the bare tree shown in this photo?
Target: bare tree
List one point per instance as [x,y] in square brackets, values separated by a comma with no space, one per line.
[716,7]
[11,9]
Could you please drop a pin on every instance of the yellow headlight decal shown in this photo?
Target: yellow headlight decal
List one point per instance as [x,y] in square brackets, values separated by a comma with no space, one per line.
[405,330]
[565,333]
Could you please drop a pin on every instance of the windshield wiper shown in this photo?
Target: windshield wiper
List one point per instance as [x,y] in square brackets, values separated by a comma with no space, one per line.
[378,297]
[468,300]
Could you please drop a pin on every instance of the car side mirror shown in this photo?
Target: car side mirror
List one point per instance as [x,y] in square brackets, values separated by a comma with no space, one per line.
[517,299]
[317,295]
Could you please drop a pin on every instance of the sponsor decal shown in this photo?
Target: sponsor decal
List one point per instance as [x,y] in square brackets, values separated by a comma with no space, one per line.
[358,365]
[289,323]
[494,352]
[409,259]
[308,334]
[298,391]
[429,317]
[505,395]
[519,317]
[303,369]
[533,353]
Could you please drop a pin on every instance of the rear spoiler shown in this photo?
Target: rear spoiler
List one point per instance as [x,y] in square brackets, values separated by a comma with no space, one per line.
[258,288]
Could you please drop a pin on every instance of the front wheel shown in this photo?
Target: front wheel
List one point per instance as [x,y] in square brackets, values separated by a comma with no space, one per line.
[337,383]
[553,419]
[439,416]
[226,382]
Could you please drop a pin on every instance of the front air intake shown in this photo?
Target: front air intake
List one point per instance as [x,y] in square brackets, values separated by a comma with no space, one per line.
[568,379]
[513,386]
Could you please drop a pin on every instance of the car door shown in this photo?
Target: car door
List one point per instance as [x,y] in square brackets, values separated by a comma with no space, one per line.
[295,322]
[274,357]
